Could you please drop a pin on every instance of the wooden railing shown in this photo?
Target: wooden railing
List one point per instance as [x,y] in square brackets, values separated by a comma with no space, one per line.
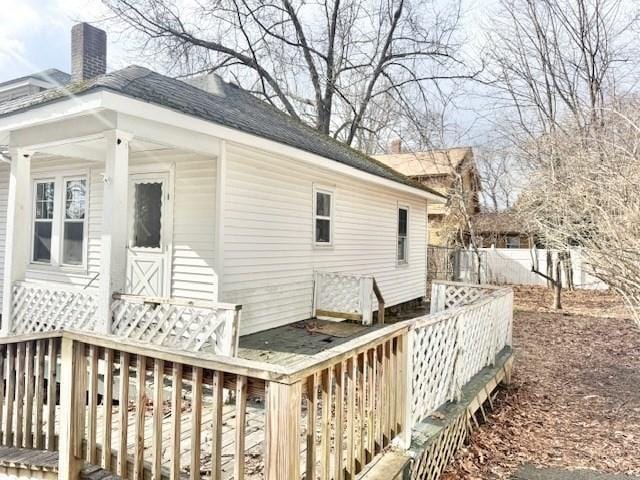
[346,296]
[147,411]
[180,324]
[46,307]
[449,347]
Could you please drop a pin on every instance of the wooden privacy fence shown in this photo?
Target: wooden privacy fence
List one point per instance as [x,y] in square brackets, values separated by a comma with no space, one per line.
[147,411]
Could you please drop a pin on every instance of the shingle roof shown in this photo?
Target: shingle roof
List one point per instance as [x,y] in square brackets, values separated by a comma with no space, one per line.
[499,222]
[52,75]
[228,105]
[428,163]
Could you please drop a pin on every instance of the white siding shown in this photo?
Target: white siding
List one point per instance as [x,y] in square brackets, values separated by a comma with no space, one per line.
[193,274]
[269,252]
[4,193]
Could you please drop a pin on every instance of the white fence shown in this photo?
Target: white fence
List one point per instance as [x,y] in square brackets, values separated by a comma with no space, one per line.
[512,266]
[346,296]
[184,325]
[43,308]
[467,328]
[159,321]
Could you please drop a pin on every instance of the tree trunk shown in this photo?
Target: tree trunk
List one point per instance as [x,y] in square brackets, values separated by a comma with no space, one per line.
[557,285]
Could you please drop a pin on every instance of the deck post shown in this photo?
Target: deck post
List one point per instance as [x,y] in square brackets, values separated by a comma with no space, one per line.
[113,262]
[282,436]
[71,401]
[16,246]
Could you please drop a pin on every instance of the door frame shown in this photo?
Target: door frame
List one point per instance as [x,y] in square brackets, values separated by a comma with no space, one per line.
[159,169]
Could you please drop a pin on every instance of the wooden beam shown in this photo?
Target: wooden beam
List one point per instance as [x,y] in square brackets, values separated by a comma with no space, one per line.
[16,244]
[69,464]
[282,436]
[114,224]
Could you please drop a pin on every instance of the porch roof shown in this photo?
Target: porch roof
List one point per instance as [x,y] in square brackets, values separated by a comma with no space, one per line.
[227,105]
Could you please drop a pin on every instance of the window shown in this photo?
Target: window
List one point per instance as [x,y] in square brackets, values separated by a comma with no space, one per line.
[403,228]
[74,216]
[513,241]
[323,216]
[59,216]
[147,220]
[43,221]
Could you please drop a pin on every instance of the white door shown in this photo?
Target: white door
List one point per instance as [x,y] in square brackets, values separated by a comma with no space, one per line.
[150,235]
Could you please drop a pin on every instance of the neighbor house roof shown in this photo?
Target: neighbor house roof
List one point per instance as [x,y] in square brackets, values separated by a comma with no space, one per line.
[226,104]
[52,76]
[499,222]
[427,163]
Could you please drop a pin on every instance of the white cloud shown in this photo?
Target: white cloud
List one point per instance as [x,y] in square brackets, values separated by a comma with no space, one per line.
[19,19]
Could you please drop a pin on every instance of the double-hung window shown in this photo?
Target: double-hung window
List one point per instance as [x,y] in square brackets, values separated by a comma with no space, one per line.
[403,239]
[59,221]
[75,191]
[43,220]
[323,216]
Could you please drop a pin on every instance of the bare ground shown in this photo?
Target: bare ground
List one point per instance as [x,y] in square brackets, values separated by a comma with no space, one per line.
[575,398]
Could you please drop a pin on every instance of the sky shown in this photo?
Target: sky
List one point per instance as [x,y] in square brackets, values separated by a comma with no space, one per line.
[36,35]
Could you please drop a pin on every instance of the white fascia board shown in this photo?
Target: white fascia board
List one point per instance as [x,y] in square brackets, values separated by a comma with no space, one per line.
[57,110]
[98,101]
[25,83]
[134,107]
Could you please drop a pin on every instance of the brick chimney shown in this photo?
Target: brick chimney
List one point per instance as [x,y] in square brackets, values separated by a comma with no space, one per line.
[88,52]
[396,146]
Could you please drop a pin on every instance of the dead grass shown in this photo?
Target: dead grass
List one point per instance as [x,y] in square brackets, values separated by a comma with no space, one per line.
[575,397]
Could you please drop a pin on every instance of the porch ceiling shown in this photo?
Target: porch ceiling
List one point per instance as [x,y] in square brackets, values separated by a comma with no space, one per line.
[94,148]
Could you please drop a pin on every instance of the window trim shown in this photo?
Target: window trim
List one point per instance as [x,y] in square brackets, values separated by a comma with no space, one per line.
[404,262]
[63,220]
[314,217]
[57,228]
[34,220]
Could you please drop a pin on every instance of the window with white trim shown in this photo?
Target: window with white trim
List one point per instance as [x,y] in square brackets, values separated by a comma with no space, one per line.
[59,221]
[75,205]
[322,216]
[43,220]
[403,238]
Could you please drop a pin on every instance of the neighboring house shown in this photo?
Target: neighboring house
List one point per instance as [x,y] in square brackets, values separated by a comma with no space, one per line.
[436,169]
[137,183]
[502,230]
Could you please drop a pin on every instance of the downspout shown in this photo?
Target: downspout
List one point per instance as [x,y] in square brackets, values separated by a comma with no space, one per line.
[5,159]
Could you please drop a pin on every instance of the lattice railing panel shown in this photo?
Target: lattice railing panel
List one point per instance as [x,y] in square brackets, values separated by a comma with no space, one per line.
[177,325]
[43,308]
[343,293]
[450,295]
[434,353]
[449,347]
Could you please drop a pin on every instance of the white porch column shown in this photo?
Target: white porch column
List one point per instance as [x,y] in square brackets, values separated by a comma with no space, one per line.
[17,243]
[114,222]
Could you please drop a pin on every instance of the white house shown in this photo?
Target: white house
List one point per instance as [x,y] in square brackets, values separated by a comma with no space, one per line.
[132,182]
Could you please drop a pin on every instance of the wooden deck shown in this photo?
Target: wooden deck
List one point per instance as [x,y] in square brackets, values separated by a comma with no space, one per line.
[294,343]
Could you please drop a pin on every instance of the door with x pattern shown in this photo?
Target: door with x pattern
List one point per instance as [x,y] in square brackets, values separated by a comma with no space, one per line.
[148,252]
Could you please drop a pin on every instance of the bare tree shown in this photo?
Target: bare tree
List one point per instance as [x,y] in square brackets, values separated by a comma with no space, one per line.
[327,62]
[554,65]
[499,174]
[597,196]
